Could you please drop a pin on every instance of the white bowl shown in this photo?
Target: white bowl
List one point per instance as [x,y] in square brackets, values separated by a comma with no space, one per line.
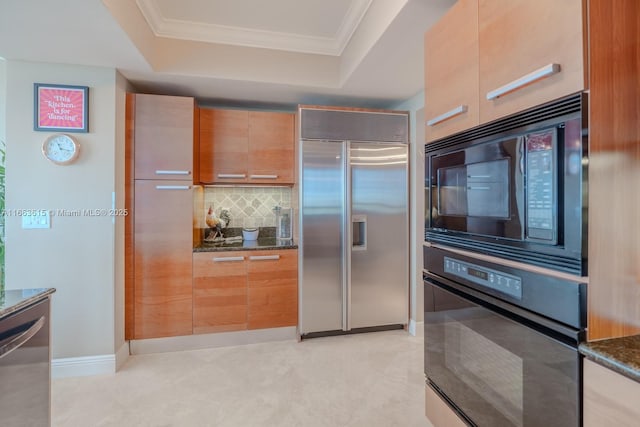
[250,233]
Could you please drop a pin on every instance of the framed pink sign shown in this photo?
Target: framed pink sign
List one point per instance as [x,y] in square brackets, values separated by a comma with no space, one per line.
[61,108]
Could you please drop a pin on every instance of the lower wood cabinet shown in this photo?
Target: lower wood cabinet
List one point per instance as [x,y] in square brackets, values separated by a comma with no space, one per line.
[238,290]
[219,292]
[610,399]
[438,412]
[272,279]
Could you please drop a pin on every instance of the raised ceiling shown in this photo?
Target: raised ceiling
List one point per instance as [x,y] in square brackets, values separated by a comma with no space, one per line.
[245,52]
[310,26]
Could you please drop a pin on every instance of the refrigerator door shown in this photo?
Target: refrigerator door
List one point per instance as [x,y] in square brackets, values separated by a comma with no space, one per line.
[379,235]
[323,250]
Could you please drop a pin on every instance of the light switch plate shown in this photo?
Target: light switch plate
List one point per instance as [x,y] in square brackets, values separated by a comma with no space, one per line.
[42,220]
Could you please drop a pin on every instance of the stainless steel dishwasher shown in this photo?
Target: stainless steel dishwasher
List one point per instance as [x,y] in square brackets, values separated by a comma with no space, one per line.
[25,374]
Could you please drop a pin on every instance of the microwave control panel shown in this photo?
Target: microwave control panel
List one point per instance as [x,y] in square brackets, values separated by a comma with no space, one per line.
[506,283]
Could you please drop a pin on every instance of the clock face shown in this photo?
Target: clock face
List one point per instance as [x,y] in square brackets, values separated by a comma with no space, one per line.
[60,149]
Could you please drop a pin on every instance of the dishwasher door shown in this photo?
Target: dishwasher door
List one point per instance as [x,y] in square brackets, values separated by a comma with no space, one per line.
[25,375]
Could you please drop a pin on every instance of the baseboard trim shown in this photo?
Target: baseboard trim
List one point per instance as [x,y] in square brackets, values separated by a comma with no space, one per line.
[416,328]
[219,339]
[83,366]
[122,355]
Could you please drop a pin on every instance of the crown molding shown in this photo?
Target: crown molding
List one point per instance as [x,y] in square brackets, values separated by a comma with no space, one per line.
[238,36]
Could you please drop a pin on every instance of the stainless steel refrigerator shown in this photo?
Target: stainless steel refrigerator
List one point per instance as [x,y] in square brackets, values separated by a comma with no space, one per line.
[354,231]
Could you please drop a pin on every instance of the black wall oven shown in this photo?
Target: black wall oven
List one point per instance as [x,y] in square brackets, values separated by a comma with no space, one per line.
[514,188]
[501,343]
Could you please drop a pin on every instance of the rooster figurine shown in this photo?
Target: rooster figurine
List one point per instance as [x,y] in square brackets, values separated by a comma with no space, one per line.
[215,223]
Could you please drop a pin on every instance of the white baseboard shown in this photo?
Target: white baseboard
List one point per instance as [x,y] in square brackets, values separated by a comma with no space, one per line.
[90,365]
[416,328]
[219,339]
[122,355]
[83,366]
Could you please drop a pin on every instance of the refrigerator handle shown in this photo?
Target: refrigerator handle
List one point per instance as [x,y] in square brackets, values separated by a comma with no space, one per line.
[359,233]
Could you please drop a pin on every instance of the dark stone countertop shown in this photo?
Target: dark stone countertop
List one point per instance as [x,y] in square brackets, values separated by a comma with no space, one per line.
[621,355]
[13,300]
[264,243]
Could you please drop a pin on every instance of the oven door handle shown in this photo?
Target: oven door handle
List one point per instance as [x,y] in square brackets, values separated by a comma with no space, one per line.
[22,336]
[503,308]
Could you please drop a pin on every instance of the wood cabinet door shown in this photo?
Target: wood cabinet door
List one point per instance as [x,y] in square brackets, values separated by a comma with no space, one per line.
[610,399]
[163,137]
[271,148]
[272,278]
[519,38]
[219,291]
[163,258]
[451,72]
[224,145]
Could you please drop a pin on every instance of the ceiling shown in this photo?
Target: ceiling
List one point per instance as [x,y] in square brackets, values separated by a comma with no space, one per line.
[365,53]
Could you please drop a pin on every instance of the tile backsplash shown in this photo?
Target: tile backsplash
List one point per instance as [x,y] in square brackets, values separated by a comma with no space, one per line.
[248,206]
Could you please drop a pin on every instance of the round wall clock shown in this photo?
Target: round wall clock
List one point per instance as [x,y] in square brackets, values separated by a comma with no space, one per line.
[61,149]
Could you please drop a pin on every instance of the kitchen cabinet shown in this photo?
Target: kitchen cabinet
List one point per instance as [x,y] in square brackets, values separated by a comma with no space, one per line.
[451,72]
[163,245]
[224,145]
[219,291]
[272,278]
[610,399]
[521,42]
[164,137]
[271,148]
[238,290]
[160,165]
[246,147]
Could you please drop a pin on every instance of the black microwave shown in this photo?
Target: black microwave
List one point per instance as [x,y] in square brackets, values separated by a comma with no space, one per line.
[515,188]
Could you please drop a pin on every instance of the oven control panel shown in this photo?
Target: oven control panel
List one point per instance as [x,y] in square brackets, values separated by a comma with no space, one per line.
[497,280]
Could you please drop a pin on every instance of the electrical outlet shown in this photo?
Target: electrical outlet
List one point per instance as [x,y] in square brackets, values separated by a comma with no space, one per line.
[40,220]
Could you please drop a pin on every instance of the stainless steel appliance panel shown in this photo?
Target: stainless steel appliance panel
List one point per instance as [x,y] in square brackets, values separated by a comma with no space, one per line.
[322,218]
[379,235]
[340,125]
[25,367]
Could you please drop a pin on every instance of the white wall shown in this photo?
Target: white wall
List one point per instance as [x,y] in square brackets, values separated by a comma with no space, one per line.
[3,98]
[76,255]
[415,105]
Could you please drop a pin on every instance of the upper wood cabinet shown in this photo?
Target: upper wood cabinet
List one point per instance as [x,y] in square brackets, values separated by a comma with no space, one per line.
[164,137]
[224,145]
[531,52]
[451,72]
[271,147]
[246,147]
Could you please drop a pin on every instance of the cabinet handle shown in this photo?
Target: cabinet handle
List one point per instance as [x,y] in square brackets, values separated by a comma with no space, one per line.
[173,187]
[232,175]
[228,259]
[264,257]
[168,172]
[263,176]
[546,71]
[449,114]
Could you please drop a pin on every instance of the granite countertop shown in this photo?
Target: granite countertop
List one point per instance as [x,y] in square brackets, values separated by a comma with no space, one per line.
[621,355]
[264,243]
[13,300]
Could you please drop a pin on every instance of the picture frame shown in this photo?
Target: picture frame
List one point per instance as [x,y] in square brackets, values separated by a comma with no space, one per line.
[60,108]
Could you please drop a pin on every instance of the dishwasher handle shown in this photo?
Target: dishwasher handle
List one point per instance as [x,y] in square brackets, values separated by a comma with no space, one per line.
[16,340]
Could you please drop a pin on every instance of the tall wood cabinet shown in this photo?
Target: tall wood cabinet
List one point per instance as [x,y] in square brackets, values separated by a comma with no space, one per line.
[160,147]
[246,147]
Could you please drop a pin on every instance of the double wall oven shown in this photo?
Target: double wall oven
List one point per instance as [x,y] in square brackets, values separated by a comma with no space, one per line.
[505,253]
